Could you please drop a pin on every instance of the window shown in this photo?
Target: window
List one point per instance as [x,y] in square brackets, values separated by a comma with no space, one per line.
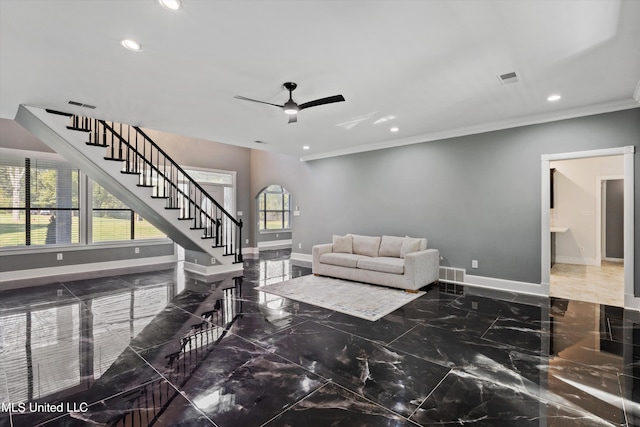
[274,208]
[112,220]
[39,202]
[40,205]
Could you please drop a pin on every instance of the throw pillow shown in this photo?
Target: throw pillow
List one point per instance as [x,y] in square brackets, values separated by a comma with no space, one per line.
[343,244]
[409,245]
[366,245]
[391,246]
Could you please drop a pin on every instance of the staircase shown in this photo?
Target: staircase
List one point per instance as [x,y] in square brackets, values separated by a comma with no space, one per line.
[125,161]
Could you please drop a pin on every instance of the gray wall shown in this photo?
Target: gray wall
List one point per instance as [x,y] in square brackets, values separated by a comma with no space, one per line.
[473,197]
[82,255]
[195,152]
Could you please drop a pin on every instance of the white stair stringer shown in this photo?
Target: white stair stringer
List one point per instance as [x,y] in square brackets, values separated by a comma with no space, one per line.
[72,145]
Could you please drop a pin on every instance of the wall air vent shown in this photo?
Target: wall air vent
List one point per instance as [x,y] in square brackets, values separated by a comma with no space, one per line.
[80,104]
[509,78]
[257,141]
[450,274]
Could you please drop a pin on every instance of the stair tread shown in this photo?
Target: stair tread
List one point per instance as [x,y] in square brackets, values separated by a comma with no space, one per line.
[59,113]
[78,129]
[93,144]
[114,158]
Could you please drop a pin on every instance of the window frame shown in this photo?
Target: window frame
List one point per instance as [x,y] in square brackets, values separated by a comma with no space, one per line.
[262,211]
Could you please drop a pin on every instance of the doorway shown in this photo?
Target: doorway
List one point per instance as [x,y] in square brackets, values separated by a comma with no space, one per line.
[582,259]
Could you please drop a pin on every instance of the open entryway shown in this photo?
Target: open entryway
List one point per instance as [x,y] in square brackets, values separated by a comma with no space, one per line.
[587,225]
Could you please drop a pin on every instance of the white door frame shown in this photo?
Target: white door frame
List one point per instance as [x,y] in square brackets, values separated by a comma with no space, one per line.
[630,301]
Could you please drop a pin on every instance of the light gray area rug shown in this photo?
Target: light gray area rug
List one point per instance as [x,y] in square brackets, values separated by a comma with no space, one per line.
[368,302]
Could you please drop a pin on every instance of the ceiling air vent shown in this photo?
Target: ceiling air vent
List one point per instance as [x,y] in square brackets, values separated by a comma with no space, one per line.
[80,104]
[509,78]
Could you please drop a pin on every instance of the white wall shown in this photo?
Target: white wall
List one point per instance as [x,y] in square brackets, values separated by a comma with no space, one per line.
[575,206]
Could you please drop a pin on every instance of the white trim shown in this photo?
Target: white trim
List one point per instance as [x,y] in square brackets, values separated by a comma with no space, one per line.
[275,244]
[45,155]
[305,260]
[577,260]
[507,285]
[630,300]
[570,113]
[250,251]
[33,273]
[209,270]
[636,92]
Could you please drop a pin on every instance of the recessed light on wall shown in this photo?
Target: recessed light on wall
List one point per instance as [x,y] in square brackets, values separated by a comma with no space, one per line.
[171,4]
[394,129]
[132,45]
[306,147]
[553,98]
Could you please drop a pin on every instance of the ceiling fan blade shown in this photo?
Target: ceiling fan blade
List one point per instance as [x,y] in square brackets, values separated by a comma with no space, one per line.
[322,101]
[255,100]
[293,118]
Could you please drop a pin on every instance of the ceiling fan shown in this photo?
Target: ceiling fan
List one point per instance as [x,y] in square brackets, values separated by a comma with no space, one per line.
[290,107]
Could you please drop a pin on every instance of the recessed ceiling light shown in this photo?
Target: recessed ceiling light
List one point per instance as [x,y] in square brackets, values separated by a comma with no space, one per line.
[553,98]
[170,4]
[306,147]
[394,129]
[132,45]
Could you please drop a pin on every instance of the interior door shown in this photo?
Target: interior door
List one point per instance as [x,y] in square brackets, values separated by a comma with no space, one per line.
[614,219]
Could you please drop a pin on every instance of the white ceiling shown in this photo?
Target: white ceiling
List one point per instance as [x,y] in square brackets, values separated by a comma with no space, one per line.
[427,67]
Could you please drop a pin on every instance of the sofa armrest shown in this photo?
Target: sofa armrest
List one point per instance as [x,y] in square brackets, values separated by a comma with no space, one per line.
[423,266]
[318,250]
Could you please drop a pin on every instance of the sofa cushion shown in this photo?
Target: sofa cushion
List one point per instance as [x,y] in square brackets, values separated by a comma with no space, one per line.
[382,264]
[343,244]
[412,245]
[341,259]
[391,246]
[366,245]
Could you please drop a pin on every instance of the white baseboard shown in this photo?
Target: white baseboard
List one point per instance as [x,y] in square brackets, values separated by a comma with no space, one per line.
[66,270]
[209,270]
[304,260]
[577,260]
[508,285]
[275,244]
[250,251]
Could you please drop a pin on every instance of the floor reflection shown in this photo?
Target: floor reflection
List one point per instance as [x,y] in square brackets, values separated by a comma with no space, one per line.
[168,348]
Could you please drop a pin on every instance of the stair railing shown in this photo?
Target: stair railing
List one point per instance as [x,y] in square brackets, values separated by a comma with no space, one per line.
[143,157]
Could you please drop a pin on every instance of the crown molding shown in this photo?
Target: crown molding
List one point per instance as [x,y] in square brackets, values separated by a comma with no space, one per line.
[636,93]
[570,113]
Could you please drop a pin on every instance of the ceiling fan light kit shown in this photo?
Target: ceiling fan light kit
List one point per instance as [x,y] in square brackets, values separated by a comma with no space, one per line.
[291,108]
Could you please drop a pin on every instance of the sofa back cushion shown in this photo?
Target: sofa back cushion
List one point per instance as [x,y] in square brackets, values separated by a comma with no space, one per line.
[366,245]
[343,244]
[391,246]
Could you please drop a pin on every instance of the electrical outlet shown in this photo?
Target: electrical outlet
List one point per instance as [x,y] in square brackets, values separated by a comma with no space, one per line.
[247,241]
[213,260]
[474,263]
[195,261]
[59,257]
[299,245]
[136,250]
[474,305]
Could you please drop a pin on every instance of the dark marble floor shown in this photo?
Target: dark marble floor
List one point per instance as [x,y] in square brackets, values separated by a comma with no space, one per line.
[165,349]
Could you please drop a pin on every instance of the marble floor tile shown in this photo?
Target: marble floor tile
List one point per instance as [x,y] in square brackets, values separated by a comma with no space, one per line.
[395,380]
[167,348]
[333,405]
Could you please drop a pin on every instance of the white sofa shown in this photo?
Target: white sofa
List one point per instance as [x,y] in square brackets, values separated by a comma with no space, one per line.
[399,262]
